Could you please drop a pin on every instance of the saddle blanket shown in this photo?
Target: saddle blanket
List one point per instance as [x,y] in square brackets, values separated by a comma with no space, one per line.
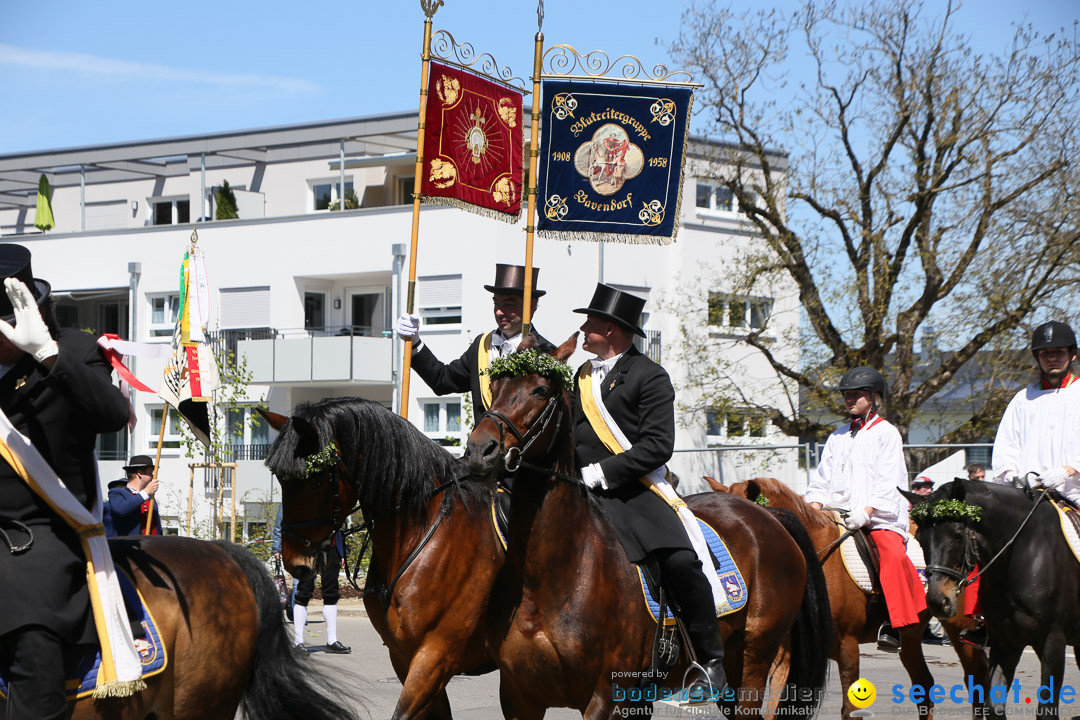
[862,575]
[151,650]
[1069,518]
[730,579]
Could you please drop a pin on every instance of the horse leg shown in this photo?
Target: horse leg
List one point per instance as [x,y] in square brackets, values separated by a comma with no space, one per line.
[1052,666]
[911,655]
[848,664]
[976,667]
[516,707]
[1003,662]
[423,691]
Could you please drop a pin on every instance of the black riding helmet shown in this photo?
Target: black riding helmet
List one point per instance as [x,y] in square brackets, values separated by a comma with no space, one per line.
[1053,334]
[862,378]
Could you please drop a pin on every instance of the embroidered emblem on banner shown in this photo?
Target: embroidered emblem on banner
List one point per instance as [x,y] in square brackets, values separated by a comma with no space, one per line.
[612,158]
[473,144]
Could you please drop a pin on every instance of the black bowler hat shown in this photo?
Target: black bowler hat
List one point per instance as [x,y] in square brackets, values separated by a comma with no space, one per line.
[510,280]
[617,306]
[15,263]
[138,462]
[117,483]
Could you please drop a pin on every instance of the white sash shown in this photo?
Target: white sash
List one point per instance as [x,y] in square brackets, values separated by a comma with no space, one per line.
[658,484]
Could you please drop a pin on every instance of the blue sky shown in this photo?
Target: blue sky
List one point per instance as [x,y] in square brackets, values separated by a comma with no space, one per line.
[80,73]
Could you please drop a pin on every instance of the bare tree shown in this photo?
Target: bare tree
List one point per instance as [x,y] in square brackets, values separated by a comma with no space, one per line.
[925,185]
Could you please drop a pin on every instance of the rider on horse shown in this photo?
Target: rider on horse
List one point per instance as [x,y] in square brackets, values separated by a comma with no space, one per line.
[635,395]
[464,374]
[1040,431]
[861,468]
[55,388]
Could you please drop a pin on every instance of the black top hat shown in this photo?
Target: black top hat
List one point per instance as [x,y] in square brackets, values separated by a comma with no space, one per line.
[139,461]
[510,279]
[15,263]
[617,306]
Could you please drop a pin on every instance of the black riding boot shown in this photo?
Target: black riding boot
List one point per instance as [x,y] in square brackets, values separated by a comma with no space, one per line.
[694,600]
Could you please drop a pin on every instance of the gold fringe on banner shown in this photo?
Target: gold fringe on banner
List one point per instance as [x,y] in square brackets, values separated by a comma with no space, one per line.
[462,205]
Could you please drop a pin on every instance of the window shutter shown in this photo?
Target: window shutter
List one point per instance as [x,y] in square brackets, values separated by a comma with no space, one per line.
[245,307]
[440,291]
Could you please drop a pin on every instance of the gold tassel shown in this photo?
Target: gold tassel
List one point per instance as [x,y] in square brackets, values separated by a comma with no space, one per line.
[118,689]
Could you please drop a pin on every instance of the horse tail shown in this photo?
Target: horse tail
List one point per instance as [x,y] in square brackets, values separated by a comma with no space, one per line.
[812,633]
[282,683]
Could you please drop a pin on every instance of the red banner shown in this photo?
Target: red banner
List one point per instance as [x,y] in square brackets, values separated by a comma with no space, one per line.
[473,143]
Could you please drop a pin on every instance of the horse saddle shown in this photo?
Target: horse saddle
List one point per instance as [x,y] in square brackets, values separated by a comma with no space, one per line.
[82,681]
[1070,523]
[730,579]
[500,512]
[863,565]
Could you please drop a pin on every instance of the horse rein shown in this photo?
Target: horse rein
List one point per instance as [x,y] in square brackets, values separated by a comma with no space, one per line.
[514,458]
[970,557]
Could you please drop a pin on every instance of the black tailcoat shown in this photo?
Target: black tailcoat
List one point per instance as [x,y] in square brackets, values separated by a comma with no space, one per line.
[638,394]
[61,411]
[457,376]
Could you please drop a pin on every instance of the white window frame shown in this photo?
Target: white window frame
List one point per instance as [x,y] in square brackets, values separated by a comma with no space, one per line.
[429,310]
[745,436]
[152,202]
[173,441]
[249,410]
[748,302]
[163,329]
[335,190]
[712,210]
[443,403]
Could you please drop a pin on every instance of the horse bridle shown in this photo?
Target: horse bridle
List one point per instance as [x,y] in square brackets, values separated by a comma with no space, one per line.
[337,518]
[515,456]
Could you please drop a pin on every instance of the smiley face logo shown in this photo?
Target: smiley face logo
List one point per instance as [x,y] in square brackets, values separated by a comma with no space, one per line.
[862,693]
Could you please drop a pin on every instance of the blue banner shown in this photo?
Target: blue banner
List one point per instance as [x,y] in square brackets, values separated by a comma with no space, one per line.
[611,161]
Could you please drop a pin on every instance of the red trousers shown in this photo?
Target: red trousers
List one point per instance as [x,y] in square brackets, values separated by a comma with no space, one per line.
[900,582]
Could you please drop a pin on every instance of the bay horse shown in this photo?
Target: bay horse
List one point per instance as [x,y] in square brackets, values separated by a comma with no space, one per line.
[563,622]
[219,617]
[434,550]
[854,620]
[1030,588]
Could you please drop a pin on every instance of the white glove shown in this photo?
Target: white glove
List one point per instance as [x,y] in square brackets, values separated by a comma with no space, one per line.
[593,477]
[408,328]
[1052,478]
[856,519]
[30,333]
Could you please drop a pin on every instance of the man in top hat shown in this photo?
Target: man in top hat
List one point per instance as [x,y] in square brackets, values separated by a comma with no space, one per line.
[56,389]
[464,374]
[129,502]
[633,397]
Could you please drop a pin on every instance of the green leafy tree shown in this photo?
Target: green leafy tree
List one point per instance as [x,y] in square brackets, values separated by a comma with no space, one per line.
[226,203]
[351,202]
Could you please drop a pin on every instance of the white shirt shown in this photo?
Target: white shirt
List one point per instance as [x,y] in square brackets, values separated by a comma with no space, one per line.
[1040,430]
[600,368]
[502,345]
[864,470]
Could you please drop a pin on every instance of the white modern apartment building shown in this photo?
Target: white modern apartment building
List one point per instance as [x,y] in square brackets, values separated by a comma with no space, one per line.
[308,295]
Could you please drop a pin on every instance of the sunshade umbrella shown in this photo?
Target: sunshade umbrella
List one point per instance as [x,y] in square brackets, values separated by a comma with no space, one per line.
[43,218]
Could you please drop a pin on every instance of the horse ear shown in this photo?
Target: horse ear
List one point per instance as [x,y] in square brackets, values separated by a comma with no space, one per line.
[913,498]
[564,351]
[958,489]
[753,491]
[715,484]
[309,439]
[276,420]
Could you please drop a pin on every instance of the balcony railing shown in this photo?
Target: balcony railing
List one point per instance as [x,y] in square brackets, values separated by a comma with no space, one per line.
[649,345]
[351,353]
[256,451]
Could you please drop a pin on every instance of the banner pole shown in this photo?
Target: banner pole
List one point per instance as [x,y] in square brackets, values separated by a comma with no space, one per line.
[429,7]
[534,153]
[157,462]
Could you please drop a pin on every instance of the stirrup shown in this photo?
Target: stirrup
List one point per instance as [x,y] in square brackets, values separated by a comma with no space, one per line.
[888,639]
[976,635]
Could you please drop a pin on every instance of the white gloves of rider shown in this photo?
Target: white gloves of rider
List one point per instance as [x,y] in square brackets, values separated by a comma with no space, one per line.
[856,519]
[408,328]
[593,477]
[29,333]
[1052,478]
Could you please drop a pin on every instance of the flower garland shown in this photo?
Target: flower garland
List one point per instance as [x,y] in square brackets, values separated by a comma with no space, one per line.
[945,510]
[531,362]
[318,461]
[762,501]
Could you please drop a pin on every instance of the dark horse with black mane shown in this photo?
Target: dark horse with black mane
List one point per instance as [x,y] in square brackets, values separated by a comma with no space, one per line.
[434,550]
[219,616]
[1031,582]
[567,619]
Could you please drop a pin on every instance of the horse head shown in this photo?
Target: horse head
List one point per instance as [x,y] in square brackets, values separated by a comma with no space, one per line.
[316,494]
[947,531]
[529,403]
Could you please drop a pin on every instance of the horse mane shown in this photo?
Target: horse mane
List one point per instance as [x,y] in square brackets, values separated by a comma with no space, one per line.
[771,487]
[396,466]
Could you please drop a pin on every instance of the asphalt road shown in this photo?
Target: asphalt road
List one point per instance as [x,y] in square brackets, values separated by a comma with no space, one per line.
[372,682]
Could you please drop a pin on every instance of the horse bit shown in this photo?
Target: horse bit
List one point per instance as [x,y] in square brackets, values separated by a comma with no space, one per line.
[514,457]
